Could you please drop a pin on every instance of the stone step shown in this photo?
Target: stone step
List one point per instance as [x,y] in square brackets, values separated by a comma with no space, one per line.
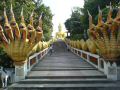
[90,86]
[63,65]
[61,69]
[64,81]
[65,60]
[65,77]
[78,62]
[62,56]
[66,73]
[60,63]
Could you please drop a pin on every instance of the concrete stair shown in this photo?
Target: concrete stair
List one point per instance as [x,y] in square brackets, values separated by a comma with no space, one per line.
[61,69]
[66,87]
[65,83]
[64,71]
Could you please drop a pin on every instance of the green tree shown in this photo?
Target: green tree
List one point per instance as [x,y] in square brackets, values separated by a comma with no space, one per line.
[73,24]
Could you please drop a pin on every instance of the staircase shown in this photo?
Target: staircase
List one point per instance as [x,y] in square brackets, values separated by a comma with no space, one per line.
[64,71]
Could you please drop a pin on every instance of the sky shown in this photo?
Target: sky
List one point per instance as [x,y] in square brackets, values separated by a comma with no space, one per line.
[61,9]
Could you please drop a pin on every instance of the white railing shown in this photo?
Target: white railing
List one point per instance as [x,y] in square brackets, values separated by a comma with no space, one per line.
[110,69]
[34,59]
[93,59]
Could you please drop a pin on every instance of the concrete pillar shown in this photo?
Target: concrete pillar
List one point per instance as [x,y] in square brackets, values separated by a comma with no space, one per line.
[28,65]
[118,73]
[105,68]
[37,59]
[20,72]
[100,63]
[111,70]
[88,57]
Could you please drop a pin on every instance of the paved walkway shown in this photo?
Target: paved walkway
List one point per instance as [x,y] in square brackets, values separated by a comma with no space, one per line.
[63,63]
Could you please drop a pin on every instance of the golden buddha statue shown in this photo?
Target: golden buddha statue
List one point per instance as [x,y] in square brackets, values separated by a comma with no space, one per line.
[60,34]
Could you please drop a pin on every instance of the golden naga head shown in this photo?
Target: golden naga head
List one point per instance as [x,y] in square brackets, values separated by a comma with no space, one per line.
[106,36]
[22,24]
[109,17]
[109,21]
[18,42]
[117,19]
[39,31]
[91,25]
[30,25]
[3,38]
[14,25]
[31,30]
[7,26]
[39,28]
[13,21]
[100,21]
[6,18]
[23,28]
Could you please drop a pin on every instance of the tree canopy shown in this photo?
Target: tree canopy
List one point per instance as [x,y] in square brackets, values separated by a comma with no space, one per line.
[73,24]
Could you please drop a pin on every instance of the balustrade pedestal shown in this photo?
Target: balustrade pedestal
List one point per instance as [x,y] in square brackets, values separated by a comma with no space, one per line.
[112,70]
[20,72]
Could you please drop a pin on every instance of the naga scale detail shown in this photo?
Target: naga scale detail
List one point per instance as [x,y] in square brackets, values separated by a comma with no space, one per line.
[106,35]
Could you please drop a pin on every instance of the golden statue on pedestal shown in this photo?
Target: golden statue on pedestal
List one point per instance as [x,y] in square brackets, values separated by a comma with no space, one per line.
[19,40]
[60,34]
